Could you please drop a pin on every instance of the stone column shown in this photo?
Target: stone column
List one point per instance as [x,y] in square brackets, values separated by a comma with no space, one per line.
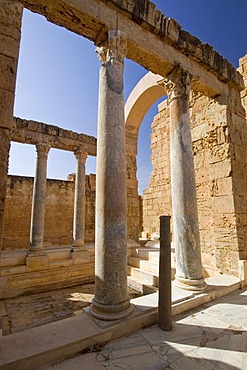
[10,34]
[39,197]
[111,299]
[79,201]
[183,187]
[79,206]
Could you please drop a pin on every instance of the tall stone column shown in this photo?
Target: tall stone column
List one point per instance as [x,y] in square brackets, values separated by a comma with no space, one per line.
[79,201]
[111,299]
[183,187]
[39,197]
[10,34]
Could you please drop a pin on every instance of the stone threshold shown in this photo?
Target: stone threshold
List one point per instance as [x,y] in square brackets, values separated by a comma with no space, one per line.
[58,340]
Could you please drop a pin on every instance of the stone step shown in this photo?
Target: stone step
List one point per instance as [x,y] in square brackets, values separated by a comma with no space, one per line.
[146,253]
[142,277]
[146,277]
[144,265]
[149,255]
[140,287]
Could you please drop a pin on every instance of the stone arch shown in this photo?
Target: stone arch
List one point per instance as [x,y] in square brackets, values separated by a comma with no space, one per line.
[143,96]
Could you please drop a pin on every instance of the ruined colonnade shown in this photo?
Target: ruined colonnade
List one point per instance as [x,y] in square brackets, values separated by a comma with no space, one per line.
[111,300]
[39,198]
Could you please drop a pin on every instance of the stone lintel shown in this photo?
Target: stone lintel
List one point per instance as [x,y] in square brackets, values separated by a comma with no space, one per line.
[32,132]
[154,41]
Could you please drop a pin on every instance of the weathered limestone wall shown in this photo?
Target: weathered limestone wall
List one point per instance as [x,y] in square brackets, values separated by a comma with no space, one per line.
[157,198]
[10,26]
[58,216]
[219,134]
[131,135]
[237,117]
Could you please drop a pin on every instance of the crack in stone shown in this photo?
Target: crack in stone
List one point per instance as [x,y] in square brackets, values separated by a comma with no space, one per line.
[159,354]
[210,336]
[110,362]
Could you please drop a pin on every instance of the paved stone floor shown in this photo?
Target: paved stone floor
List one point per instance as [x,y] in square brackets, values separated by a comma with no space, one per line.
[17,314]
[213,337]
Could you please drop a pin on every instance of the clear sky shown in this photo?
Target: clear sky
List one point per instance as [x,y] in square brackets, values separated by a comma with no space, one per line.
[57,81]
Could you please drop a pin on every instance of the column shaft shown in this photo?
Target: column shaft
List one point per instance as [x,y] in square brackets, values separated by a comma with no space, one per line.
[183,187]
[79,201]
[39,197]
[111,299]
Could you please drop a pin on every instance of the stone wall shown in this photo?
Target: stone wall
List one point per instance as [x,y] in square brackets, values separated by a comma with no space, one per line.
[131,135]
[59,211]
[157,198]
[219,134]
[10,25]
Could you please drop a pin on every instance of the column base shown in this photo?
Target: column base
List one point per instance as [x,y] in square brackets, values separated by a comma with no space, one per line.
[197,285]
[110,312]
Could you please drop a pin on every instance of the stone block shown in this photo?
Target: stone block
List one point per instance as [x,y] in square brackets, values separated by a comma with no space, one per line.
[223,204]
[173,30]
[7,108]
[60,264]
[241,154]
[219,169]
[37,262]
[13,270]
[80,255]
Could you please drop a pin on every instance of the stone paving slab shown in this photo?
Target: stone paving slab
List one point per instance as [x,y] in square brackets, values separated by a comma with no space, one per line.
[63,338]
[210,338]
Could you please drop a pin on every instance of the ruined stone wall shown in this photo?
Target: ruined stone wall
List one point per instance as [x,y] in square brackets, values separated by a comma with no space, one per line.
[10,25]
[131,134]
[157,198]
[237,118]
[219,135]
[59,212]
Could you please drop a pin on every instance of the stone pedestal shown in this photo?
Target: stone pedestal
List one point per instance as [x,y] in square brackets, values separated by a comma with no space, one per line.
[37,262]
[184,202]
[79,202]
[80,255]
[111,299]
[39,197]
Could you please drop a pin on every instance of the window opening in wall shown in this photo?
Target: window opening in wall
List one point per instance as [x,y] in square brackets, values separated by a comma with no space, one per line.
[24,164]
[57,83]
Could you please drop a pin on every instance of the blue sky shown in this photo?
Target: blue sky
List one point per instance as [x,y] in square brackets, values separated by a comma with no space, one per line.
[58,71]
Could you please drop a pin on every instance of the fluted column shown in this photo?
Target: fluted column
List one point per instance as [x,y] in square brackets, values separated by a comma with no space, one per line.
[183,187]
[39,197]
[111,299]
[79,201]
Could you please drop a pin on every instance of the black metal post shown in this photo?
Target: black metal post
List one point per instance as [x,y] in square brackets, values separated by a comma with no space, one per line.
[165,301]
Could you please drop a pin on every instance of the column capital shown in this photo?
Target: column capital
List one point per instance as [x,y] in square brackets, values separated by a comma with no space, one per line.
[81,155]
[177,84]
[115,48]
[42,149]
